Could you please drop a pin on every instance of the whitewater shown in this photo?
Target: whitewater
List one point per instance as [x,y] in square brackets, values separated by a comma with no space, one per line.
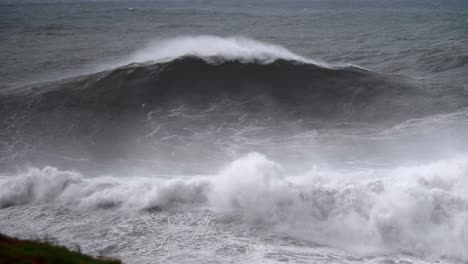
[183,147]
[417,211]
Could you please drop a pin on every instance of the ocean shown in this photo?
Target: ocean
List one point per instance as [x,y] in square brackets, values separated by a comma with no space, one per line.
[210,131]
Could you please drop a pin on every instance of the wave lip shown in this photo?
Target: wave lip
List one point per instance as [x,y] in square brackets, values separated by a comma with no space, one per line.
[207,47]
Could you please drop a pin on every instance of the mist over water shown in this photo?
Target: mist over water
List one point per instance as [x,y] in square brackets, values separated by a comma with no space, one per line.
[341,142]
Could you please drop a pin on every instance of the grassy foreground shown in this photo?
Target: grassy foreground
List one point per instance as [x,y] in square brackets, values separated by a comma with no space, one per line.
[16,251]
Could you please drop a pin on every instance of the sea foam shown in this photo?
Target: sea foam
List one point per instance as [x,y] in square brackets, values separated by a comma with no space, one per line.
[206,47]
[420,210]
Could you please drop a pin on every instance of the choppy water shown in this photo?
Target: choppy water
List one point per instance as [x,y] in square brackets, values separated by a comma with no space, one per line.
[254,132]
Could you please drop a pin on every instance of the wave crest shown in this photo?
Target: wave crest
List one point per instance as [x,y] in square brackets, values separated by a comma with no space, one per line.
[207,47]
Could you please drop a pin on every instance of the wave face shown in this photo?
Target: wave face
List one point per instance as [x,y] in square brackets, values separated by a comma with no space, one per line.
[419,210]
[306,89]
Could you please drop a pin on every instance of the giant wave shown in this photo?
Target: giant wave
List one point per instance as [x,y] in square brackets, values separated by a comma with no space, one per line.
[115,113]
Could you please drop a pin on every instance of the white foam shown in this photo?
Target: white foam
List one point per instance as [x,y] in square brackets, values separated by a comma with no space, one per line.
[35,186]
[206,47]
[50,185]
[421,210]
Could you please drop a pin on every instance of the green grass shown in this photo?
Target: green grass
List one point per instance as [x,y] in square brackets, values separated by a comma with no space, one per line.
[16,251]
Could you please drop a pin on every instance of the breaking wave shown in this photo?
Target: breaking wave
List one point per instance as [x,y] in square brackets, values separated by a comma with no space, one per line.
[420,210]
[184,87]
